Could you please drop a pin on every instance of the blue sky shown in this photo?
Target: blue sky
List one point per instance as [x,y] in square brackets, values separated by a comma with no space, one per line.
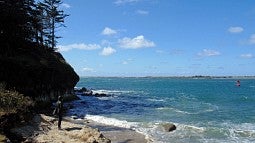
[159,37]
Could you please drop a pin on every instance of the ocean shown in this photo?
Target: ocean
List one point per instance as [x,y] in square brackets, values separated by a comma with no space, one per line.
[204,110]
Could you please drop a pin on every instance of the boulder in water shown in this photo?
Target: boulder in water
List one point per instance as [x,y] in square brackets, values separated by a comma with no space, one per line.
[168,127]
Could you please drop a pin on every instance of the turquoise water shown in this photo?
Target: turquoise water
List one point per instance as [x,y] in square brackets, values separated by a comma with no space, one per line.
[204,110]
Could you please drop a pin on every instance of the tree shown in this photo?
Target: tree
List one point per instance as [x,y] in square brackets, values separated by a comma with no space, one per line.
[54,20]
[39,15]
[15,23]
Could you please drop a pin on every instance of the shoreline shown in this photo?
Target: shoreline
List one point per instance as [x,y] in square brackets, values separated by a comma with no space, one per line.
[114,133]
[44,128]
[118,134]
[180,77]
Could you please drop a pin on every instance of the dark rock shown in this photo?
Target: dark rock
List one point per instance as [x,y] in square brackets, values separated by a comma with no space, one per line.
[38,73]
[101,95]
[84,89]
[168,127]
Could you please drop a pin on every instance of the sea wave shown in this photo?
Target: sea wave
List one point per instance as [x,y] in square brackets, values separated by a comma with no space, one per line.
[112,121]
[201,132]
[136,126]
[156,100]
[209,109]
[114,92]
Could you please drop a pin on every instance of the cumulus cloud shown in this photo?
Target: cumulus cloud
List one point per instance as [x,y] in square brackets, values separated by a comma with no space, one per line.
[119,2]
[65,5]
[208,53]
[87,69]
[81,46]
[108,31]
[135,43]
[107,51]
[142,12]
[246,56]
[235,29]
[252,39]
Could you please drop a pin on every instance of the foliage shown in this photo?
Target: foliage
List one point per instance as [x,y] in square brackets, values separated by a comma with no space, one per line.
[12,101]
[28,61]
[54,19]
[25,21]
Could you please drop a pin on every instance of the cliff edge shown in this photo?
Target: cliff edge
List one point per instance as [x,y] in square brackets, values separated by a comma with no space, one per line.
[37,72]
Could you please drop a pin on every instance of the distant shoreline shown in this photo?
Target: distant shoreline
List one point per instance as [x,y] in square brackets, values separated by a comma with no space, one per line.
[188,77]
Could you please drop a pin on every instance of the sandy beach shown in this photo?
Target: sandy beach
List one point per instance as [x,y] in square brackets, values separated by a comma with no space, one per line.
[44,129]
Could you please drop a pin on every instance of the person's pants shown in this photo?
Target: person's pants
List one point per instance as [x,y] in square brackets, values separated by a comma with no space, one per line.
[59,121]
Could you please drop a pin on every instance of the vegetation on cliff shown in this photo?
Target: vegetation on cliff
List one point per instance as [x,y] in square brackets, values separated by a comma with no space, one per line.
[29,62]
[31,70]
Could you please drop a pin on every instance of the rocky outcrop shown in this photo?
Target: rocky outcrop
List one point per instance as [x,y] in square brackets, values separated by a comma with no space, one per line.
[86,92]
[44,129]
[168,127]
[38,73]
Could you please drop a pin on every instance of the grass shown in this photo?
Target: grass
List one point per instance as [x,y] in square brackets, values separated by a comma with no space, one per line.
[12,101]
[2,138]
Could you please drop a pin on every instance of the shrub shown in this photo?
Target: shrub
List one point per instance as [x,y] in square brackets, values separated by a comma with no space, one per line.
[12,101]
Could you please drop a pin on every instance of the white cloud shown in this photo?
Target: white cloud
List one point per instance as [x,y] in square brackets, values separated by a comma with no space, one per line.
[235,29]
[86,69]
[65,5]
[108,31]
[81,46]
[119,2]
[124,62]
[252,39]
[208,53]
[135,43]
[142,12]
[246,56]
[127,61]
[107,51]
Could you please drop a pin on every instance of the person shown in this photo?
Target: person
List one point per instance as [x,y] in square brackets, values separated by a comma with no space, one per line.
[59,110]
[238,83]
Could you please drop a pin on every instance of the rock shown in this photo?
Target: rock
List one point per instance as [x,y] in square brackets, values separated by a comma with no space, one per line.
[3,138]
[74,117]
[84,89]
[71,132]
[36,72]
[168,127]
[101,95]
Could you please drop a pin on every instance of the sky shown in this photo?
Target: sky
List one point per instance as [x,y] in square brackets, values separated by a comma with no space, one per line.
[159,37]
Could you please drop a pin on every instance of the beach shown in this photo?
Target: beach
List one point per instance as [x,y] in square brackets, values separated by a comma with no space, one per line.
[44,129]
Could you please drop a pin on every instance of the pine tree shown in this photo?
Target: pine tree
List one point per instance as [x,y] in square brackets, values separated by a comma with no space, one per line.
[38,23]
[54,20]
[15,24]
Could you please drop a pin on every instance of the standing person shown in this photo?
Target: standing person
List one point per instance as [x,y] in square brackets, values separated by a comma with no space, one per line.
[59,110]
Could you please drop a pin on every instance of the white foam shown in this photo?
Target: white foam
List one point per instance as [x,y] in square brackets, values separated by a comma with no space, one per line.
[156,100]
[112,121]
[121,123]
[115,92]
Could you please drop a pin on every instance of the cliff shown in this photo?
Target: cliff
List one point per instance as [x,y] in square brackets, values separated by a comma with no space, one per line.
[37,72]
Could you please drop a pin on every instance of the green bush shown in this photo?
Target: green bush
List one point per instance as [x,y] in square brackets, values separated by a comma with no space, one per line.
[12,101]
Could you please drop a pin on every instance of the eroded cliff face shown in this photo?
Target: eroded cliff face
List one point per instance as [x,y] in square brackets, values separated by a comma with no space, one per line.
[37,72]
